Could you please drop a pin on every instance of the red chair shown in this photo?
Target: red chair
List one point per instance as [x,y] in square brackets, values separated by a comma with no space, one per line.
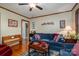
[5,50]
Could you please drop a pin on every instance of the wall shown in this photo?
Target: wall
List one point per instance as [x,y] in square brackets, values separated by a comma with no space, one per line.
[73,17]
[67,16]
[5,30]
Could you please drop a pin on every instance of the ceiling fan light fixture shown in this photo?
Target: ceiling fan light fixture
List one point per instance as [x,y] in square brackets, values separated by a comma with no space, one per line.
[32,5]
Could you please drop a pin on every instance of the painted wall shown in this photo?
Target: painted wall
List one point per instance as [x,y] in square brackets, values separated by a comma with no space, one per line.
[67,16]
[73,17]
[5,30]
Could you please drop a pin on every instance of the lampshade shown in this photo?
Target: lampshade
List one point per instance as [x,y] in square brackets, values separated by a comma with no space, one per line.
[68,28]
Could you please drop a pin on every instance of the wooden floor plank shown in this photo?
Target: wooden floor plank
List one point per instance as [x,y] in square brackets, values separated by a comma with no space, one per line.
[18,50]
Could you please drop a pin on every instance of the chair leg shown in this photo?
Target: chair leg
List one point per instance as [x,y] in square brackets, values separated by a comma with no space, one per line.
[43,54]
[29,53]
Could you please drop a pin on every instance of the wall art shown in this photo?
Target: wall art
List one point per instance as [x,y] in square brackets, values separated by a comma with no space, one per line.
[12,23]
[62,23]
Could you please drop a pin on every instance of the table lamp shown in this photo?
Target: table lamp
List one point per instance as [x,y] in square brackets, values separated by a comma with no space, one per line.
[68,29]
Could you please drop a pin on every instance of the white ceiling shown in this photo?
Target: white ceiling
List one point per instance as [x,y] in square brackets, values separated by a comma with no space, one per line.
[48,8]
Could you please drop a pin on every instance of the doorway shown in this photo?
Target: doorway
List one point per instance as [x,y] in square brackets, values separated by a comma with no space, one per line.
[77,21]
[25,31]
[0,30]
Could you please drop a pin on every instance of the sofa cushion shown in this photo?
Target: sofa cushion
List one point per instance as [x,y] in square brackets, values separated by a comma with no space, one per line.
[63,52]
[46,36]
[56,44]
[68,45]
[56,48]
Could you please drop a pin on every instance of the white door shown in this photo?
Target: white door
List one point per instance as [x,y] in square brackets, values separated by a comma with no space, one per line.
[24,31]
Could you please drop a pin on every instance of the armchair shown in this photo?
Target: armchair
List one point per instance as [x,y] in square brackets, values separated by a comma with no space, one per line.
[5,50]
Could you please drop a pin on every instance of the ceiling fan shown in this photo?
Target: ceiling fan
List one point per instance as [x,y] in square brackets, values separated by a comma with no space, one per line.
[32,5]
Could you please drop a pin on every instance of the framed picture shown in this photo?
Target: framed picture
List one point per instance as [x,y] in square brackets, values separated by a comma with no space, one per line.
[12,23]
[33,25]
[62,23]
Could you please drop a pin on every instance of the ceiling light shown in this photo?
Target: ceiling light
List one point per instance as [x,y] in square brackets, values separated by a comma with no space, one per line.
[32,5]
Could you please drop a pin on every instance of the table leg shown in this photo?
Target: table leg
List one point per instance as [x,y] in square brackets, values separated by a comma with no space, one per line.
[48,51]
[29,51]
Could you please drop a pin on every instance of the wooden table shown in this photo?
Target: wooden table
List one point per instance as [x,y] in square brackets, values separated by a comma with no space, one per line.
[70,40]
[39,49]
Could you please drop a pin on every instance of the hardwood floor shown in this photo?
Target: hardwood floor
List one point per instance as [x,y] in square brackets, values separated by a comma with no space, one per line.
[18,50]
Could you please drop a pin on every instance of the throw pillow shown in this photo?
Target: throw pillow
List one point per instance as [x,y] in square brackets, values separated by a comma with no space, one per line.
[37,37]
[56,37]
[75,49]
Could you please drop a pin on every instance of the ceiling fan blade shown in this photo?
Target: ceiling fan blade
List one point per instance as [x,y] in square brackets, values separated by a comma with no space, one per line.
[30,9]
[39,7]
[23,3]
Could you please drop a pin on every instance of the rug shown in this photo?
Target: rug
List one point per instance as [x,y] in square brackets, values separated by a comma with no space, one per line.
[35,53]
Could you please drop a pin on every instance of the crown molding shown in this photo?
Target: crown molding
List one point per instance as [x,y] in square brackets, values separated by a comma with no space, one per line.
[56,13]
[50,14]
[14,12]
[41,15]
[74,6]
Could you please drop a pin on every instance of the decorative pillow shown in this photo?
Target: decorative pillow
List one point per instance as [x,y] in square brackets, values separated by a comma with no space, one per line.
[56,37]
[61,38]
[37,37]
[75,49]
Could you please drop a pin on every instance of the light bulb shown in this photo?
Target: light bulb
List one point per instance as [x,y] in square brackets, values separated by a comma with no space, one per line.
[32,5]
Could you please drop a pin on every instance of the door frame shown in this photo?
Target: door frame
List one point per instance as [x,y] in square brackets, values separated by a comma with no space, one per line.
[76,20]
[22,20]
[0,31]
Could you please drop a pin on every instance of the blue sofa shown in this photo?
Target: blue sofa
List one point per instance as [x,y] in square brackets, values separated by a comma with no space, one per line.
[49,39]
[67,49]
